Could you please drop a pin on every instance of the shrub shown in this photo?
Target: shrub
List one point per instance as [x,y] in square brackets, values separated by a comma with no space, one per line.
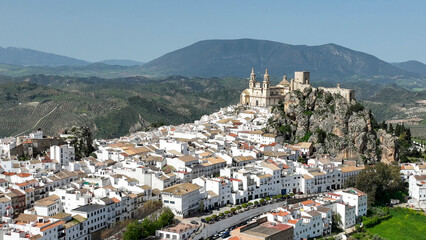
[357,107]
[214,216]
[208,219]
[308,113]
[328,98]
[268,199]
[279,195]
[321,135]
[250,204]
[238,207]
[256,202]
[371,222]
[244,205]
[221,214]
[306,137]
[227,212]
[233,209]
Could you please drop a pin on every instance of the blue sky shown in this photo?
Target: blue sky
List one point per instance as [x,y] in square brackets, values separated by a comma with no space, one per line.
[144,30]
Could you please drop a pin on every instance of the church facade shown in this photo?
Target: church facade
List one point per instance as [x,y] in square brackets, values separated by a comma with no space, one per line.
[264,95]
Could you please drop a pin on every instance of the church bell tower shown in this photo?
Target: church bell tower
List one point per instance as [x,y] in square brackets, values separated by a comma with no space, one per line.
[252,79]
[266,80]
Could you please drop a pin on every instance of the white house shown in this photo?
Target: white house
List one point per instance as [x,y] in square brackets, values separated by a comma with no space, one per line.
[182,199]
[63,154]
[355,197]
[181,231]
[417,191]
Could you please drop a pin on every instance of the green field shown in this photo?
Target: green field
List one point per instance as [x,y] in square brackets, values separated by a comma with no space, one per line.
[404,224]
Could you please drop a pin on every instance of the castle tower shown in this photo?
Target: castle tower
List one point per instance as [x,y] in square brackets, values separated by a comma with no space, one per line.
[302,77]
[252,83]
[266,80]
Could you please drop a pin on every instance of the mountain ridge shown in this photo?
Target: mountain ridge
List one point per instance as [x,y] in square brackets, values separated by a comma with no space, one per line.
[236,57]
[411,66]
[30,57]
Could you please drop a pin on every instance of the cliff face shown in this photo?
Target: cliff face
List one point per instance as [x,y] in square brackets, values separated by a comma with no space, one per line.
[332,124]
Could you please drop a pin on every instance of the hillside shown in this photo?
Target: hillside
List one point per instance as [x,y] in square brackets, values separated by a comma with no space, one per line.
[236,57]
[412,66]
[111,107]
[122,62]
[91,70]
[29,57]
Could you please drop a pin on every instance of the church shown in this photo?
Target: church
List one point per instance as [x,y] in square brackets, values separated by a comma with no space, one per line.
[264,95]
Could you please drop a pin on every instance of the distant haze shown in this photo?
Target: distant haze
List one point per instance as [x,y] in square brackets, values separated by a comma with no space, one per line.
[143,30]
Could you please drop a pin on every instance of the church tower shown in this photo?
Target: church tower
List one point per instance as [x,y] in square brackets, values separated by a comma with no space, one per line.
[266,80]
[252,83]
[266,90]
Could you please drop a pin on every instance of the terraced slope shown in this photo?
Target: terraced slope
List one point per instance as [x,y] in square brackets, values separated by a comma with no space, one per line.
[110,107]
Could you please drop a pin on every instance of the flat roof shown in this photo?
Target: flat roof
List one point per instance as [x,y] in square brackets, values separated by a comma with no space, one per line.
[89,208]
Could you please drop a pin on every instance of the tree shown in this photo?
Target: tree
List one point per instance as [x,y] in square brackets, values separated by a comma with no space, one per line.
[336,222]
[384,126]
[321,135]
[166,217]
[133,231]
[390,129]
[380,182]
[201,207]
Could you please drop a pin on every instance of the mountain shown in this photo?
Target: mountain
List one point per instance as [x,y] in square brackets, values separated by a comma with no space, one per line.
[221,58]
[412,66]
[122,62]
[25,57]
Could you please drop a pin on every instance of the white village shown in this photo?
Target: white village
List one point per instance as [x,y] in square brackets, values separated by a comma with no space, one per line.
[222,177]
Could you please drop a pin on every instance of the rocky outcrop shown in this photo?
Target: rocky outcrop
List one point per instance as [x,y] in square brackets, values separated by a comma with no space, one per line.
[81,139]
[388,146]
[332,124]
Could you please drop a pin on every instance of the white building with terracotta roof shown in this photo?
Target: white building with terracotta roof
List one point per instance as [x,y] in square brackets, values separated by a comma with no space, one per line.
[181,231]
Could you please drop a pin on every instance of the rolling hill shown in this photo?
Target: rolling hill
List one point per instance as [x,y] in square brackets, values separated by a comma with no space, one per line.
[29,57]
[111,107]
[122,62]
[412,66]
[236,57]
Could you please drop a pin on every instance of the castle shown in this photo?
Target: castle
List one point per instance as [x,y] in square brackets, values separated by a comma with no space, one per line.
[264,95]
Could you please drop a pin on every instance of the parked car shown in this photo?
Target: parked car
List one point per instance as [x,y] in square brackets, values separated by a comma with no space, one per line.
[194,222]
[225,234]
